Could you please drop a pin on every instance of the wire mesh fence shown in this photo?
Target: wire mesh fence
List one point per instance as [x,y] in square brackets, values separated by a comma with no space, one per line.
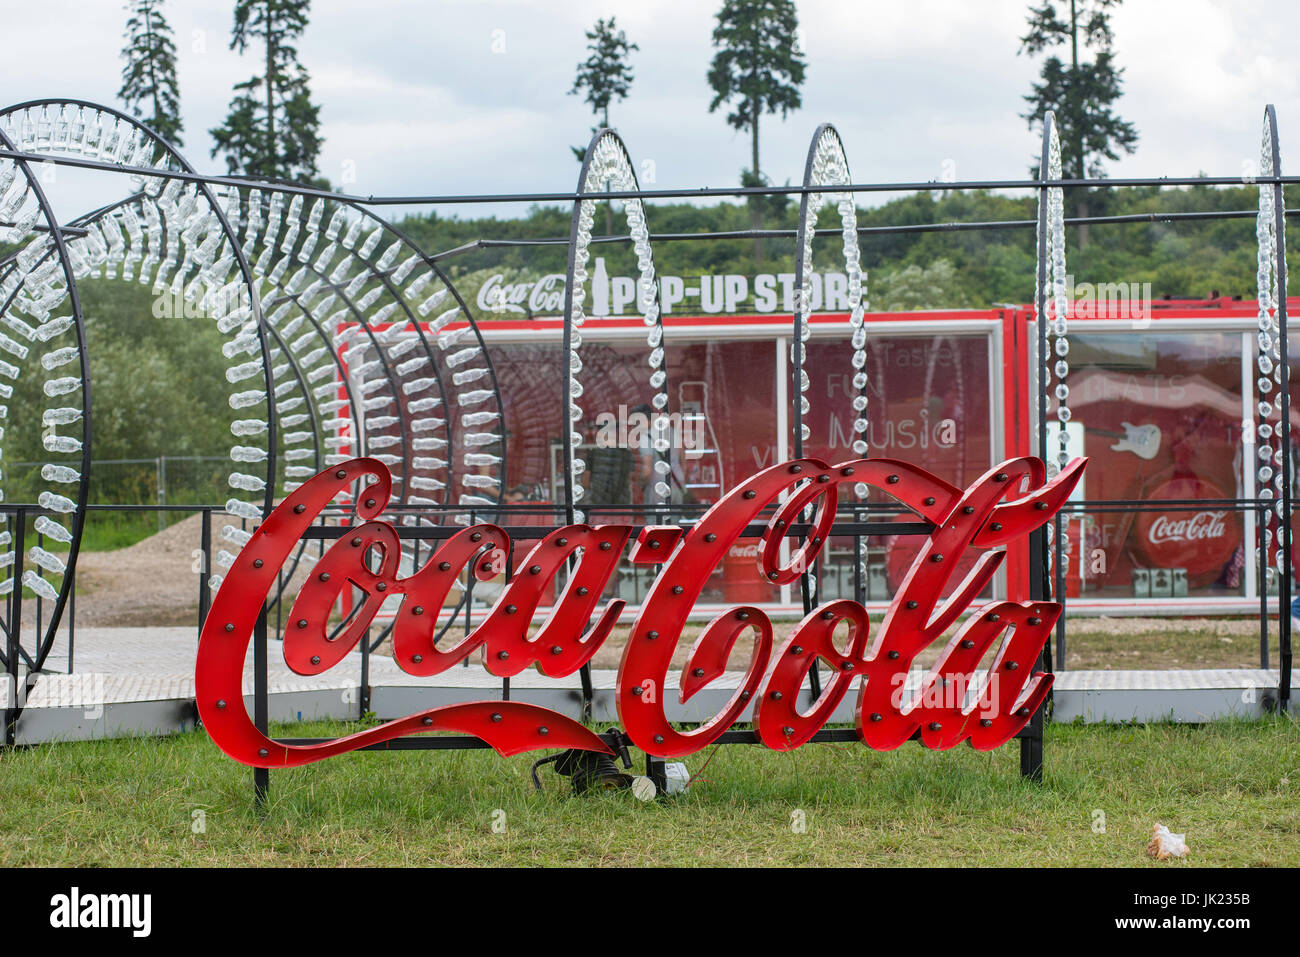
[162,480]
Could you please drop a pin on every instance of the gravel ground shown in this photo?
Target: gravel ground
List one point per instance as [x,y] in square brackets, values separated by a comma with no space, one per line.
[153,582]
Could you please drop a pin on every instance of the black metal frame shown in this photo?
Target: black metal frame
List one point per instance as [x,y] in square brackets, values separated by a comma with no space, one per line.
[169,153]
[12,626]
[566,378]
[805,239]
[1042,585]
[1048,574]
[1287,572]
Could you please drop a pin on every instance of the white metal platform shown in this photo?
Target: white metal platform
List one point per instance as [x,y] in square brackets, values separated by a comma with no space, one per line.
[131,681]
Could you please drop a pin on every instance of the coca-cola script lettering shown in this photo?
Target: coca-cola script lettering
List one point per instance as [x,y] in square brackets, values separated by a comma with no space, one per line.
[951,704]
[1201,526]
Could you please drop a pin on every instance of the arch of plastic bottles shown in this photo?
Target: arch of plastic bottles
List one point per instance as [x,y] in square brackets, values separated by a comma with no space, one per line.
[342,338]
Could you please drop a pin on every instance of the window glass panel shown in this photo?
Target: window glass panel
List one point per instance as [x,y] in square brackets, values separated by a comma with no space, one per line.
[1159,417]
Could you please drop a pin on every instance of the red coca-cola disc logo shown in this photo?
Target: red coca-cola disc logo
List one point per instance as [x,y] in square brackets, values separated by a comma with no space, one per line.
[1201,540]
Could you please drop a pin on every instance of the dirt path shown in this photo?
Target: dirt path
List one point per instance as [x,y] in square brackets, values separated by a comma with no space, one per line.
[153,582]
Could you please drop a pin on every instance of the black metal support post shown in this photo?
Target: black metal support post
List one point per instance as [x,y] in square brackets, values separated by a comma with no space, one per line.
[205,546]
[859,580]
[363,690]
[12,643]
[261,707]
[1261,562]
[1058,591]
[1031,740]
[72,616]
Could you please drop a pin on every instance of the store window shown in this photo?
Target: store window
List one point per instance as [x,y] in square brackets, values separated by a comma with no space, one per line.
[929,400]
[1159,415]
[929,403]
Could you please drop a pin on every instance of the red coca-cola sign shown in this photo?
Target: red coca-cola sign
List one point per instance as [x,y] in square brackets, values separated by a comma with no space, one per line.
[1198,538]
[1005,503]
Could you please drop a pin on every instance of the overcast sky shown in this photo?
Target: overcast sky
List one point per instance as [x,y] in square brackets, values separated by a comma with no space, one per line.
[469,96]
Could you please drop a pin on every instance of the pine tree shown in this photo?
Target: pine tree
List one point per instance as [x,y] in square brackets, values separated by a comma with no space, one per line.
[605,76]
[149,87]
[758,66]
[272,130]
[1081,94]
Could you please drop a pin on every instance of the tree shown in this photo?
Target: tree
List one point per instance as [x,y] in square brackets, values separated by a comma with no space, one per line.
[759,68]
[605,76]
[149,87]
[272,130]
[1081,94]
[936,285]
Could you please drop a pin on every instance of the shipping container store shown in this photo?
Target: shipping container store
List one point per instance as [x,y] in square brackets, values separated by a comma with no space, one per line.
[1159,392]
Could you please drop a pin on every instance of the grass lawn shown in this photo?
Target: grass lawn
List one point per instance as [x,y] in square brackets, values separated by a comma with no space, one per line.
[1232,787]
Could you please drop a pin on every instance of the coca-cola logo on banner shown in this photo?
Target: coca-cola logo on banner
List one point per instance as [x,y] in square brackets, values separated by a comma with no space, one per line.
[1199,538]
[1198,527]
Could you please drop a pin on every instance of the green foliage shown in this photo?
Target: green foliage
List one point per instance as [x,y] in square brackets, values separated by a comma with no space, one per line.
[771,208]
[273,129]
[904,288]
[1188,259]
[156,389]
[149,87]
[1081,94]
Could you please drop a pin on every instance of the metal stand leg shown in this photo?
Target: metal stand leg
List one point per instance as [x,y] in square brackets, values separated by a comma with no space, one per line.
[1031,745]
[261,776]
[1031,749]
[205,570]
[588,692]
[13,646]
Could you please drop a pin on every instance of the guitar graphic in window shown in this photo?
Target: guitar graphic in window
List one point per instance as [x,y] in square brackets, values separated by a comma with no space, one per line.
[1142,440]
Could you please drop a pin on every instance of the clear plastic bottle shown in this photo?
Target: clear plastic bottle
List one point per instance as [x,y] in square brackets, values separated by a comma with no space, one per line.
[60,473]
[56,503]
[51,529]
[246,453]
[61,443]
[39,585]
[249,483]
